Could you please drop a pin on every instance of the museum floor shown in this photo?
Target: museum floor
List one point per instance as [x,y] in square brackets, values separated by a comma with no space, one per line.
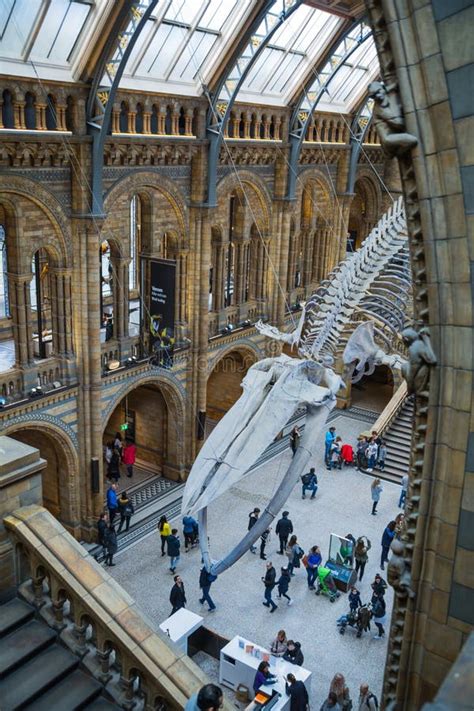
[342,505]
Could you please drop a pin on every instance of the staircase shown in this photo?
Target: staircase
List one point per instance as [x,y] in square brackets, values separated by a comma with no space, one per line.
[37,672]
[398,440]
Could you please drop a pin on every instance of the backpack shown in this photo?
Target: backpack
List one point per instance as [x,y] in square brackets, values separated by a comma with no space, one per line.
[306,478]
[372,696]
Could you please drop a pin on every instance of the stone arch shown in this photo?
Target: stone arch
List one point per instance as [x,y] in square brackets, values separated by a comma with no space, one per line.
[47,203]
[141,180]
[243,180]
[171,460]
[246,347]
[60,497]
[225,378]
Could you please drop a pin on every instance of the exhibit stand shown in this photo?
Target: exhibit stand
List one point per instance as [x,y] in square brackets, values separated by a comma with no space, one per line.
[180,626]
[341,562]
[239,661]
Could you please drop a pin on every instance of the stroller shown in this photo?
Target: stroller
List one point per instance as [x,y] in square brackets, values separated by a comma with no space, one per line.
[326,585]
[347,455]
[359,620]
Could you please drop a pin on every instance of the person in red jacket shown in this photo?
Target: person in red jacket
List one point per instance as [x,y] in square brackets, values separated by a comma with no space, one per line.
[128,457]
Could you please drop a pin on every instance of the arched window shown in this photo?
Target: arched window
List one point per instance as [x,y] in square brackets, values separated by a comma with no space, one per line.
[106,291]
[40,301]
[4,300]
[123,118]
[139,119]
[30,112]
[7,110]
[51,118]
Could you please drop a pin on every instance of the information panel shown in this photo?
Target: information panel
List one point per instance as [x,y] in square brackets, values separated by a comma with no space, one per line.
[162,309]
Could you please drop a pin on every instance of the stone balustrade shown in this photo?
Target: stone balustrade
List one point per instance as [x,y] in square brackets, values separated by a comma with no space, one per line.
[96,618]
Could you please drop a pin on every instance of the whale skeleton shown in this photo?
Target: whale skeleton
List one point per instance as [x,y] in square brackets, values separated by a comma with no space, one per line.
[274,388]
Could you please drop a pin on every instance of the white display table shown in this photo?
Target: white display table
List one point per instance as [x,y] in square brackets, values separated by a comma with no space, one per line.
[239,667]
[180,626]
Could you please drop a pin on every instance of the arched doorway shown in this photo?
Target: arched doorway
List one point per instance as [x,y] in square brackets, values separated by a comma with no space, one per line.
[224,385]
[373,392]
[59,484]
[147,417]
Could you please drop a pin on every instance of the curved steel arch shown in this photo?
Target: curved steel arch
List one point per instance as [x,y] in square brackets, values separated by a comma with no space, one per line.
[233,78]
[359,129]
[300,119]
[105,83]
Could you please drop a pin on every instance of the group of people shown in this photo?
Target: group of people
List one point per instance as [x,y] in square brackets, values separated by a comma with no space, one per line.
[371,452]
[118,452]
[106,533]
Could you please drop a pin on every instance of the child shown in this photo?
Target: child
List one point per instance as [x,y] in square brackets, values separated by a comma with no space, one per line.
[284,584]
[354,599]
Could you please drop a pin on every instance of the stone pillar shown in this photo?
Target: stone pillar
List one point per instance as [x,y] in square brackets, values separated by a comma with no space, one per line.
[277,129]
[116,120]
[120,292]
[19,290]
[131,118]
[147,122]
[20,485]
[40,110]
[235,126]
[19,114]
[1,113]
[188,122]
[162,121]
[61,117]
[175,122]
[247,123]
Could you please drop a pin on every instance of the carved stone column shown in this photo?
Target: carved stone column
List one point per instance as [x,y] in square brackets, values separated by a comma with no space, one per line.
[19,291]
[175,122]
[247,123]
[266,129]
[40,110]
[235,126]
[121,267]
[19,114]
[1,113]
[277,129]
[131,118]
[147,122]
[61,117]
[116,119]
[188,122]
[162,121]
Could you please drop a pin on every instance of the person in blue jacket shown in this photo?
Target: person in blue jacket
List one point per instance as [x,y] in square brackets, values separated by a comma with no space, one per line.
[387,539]
[112,502]
[189,531]
[328,442]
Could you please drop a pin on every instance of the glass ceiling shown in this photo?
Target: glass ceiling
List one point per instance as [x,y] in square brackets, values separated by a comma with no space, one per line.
[181,48]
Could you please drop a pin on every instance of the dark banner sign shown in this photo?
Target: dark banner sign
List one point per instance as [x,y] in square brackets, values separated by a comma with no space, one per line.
[162,308]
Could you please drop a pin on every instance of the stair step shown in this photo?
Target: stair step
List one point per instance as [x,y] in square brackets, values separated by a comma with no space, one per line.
[100,704]
[73,692]
[23,685]
[23,644]
[13,614]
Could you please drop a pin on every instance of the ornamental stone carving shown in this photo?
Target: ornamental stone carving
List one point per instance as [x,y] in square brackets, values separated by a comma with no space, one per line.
[389,121]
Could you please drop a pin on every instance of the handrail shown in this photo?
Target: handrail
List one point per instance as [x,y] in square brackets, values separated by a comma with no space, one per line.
[391,409]
[97,618]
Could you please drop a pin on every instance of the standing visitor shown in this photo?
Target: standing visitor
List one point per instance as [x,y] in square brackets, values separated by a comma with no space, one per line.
[118,443]
[189,532]
[361,452]
[372,451]
[283,529]
[174,545]
[102,524]
[378,615]
[403,492]
[113,469]
[400,525]
[335,454]
[294,553]
[112,502]
[375,490]
[328,442]
[177,595]
[126,511]
[129,454]
[379,587]
[387,538]
[263,542]
[367,700]
[361,550]
[309,481]
[382,455]
[284,584]
[109,448]
[205,581]
[279,644]
[339,688]
[253,516]
[269,582]
[296,690]
[110,544]
[312,565]
[294,439]
[164,530]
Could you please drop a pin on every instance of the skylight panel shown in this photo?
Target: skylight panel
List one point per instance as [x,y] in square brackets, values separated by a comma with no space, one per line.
[59,31]
[184,11]
[217,14]
[190,62]
[18,19]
